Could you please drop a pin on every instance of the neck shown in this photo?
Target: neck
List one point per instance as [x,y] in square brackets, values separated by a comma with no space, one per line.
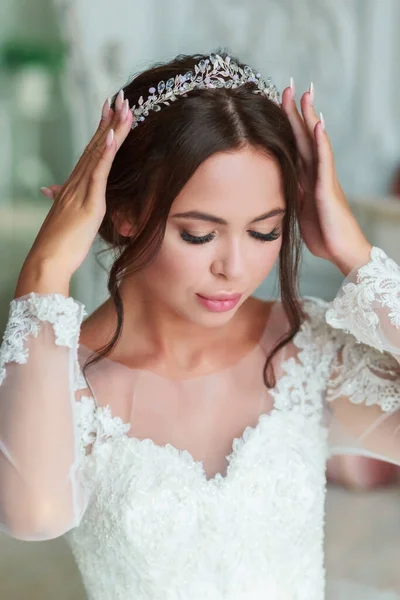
[153,330]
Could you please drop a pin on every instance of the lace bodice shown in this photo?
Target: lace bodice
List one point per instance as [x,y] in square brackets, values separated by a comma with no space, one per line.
[155,505]
[171,533]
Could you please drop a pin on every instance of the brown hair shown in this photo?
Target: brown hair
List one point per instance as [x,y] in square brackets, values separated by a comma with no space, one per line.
[158,158]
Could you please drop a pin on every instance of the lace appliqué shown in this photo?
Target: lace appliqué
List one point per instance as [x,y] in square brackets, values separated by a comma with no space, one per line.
[306,375]
[26,314]
[96,423]
[377,281]
[365,376]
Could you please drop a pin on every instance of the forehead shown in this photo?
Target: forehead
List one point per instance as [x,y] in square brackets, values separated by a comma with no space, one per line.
[244,182]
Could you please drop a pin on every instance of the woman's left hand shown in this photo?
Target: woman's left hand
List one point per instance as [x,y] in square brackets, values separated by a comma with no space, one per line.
[327,224]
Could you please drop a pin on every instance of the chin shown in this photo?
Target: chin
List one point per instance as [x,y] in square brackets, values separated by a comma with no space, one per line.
[212,319]
[217,319]
[202,318]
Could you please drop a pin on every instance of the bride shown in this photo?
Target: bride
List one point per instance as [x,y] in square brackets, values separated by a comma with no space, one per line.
[178,436]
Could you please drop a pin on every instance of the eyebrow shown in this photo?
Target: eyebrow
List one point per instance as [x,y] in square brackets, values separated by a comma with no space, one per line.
[200,216]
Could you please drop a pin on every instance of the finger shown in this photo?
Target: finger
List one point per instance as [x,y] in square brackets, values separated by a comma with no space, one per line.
[124,124]
[51,191]
[107,115]
[326,162]
[108,120]
[120,122]
[105,123]
[303,141]
[97,181]
[95,148]
[308,111]
[121,126]
[92,152]
[47,192]
[98,177]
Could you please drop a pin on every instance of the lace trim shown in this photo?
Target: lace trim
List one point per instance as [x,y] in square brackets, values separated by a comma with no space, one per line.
[26,314]
[80,381]
[377,281]
[337,362]
[306,375]
[364,376]
[96,423]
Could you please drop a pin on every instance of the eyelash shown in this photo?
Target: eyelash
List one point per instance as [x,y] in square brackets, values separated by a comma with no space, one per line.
[261,237]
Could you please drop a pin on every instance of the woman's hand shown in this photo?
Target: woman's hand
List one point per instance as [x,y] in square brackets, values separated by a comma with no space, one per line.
[79,206]
[327,225]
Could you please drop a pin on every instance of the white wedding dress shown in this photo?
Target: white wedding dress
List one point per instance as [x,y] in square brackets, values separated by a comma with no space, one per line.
[208,488]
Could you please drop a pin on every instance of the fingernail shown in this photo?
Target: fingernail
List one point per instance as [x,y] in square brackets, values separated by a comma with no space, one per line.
[47,192]
[124,110]
[311,90]
[119,100]
[106,108]
[110,137]
[321,118]
[292,86]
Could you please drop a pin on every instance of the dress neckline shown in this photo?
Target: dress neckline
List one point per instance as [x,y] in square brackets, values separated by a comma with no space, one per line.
[289,378]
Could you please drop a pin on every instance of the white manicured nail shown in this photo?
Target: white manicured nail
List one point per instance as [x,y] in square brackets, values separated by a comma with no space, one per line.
[124,110]
[106,108]
[312,93]
[321,118]
[292,86]
[46,192]
[119,100]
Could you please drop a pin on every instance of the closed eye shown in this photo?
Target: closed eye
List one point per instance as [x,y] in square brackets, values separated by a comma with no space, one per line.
[266,237]
[262,237]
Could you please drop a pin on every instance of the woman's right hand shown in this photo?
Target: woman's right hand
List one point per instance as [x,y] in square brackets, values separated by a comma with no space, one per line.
[79,206]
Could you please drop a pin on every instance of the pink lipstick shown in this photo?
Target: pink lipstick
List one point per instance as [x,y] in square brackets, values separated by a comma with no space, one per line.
[220,303]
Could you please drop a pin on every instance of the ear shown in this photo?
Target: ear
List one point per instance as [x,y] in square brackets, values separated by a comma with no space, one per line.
[123,225]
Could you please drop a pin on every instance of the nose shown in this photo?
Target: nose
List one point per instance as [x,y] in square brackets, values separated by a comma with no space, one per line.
[230,262]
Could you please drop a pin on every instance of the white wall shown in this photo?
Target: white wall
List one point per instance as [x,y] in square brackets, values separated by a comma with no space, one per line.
[349,48]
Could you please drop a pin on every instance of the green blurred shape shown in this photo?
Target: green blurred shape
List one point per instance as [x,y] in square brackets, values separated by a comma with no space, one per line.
[17,54]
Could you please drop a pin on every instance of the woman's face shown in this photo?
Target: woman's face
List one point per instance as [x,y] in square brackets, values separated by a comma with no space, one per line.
[219,239]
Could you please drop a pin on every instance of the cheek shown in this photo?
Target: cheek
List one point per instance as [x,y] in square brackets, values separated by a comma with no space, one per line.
[180,264]
[264,259]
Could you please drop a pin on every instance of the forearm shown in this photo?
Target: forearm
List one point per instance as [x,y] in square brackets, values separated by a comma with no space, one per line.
[38,449]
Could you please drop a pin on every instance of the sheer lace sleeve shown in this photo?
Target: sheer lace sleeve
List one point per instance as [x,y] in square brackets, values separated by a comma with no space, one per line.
[363,391]
[368,304]
[41,495]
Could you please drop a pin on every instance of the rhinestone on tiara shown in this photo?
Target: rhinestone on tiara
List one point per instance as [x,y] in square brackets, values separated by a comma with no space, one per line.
[212,72]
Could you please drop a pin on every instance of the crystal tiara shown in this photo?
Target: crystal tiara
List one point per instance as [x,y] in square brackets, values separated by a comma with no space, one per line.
[212,72]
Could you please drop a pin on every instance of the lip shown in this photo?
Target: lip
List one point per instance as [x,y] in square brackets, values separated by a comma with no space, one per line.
[221,297]
[221,303]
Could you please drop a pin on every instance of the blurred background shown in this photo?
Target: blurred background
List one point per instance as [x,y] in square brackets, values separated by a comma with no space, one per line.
[60,59]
